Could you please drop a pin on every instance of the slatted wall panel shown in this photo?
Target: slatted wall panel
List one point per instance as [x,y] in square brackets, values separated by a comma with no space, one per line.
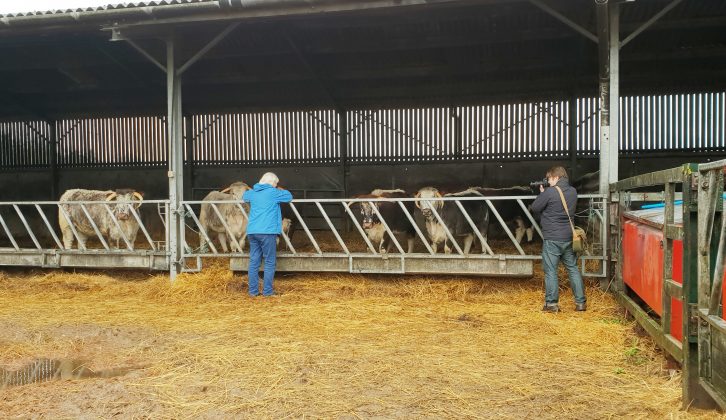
[24,144]
[138,141]
[688,122]
[587,126]
[532,130]
[266,138]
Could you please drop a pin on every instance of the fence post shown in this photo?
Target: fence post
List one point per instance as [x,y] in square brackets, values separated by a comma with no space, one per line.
[189,167]
[53,157]
[693,393]
[572,133]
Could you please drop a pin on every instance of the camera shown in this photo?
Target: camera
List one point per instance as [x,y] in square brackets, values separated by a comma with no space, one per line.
[537,184]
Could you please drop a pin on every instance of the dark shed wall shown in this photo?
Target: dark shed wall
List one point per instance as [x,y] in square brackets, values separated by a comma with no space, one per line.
[316,182]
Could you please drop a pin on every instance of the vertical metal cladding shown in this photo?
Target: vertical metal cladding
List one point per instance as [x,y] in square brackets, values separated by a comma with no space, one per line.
[529,130]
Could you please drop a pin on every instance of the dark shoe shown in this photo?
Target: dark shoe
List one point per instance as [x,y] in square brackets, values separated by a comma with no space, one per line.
[551,308]
[580,307]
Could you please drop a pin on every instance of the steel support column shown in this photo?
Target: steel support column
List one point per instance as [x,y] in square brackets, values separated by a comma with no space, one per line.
[174,121]
[608,21]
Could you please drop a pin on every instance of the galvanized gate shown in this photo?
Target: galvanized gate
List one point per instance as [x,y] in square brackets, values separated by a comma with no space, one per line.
[678,303]
[30,235]
[329,246]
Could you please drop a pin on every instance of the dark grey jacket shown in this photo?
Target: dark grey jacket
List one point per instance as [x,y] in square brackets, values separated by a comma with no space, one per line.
[553,219]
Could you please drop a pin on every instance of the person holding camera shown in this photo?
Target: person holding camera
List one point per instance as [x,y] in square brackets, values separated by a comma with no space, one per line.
[557,232]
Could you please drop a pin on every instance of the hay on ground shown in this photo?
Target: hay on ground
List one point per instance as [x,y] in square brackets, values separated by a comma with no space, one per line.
[330,346]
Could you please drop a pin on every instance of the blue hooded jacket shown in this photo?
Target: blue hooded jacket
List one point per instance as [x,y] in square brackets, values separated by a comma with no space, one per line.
[265,215]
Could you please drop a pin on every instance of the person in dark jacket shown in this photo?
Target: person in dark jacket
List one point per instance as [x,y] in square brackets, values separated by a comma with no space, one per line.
[557,235]
[262,229]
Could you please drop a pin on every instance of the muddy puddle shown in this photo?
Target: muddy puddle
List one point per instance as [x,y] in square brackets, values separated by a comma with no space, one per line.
[44,370]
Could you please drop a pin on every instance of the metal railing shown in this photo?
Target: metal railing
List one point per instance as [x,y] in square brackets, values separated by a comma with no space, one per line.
[85,233]
[230,219]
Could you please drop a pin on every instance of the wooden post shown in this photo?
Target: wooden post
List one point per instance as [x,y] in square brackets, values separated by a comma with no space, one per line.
[572,134]
[693,393]
[343,136]
[189,161]
[53,156]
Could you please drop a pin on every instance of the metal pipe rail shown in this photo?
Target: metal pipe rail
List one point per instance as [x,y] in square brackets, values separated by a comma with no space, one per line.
[30,238]
[362,251]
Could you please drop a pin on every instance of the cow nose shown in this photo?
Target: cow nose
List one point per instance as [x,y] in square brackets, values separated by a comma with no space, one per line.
[123,216]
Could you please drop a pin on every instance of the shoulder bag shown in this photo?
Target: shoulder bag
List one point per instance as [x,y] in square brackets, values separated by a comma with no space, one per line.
[578,234]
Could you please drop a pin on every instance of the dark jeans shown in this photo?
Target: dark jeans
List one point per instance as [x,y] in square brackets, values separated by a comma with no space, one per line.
[552,253]
[262,246]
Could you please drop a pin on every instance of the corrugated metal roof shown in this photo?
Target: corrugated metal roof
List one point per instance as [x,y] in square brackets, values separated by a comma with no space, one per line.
[128,5]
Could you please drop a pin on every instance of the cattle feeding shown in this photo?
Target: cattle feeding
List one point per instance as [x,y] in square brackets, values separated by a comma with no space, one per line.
[510,210]
[393,216]
[227,203]
[452,217]
[114,220]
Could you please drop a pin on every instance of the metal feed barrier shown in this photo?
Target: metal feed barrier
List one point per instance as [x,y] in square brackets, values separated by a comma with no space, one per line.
[30,236]
[355,253]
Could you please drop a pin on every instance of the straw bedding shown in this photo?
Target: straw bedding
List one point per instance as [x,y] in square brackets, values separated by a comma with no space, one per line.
[331,346]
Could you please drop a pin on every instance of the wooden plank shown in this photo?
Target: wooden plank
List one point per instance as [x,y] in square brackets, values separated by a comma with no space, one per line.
[672,289]
[673,175]
[666,342]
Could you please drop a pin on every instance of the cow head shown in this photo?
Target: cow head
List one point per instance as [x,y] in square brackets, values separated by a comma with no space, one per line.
[426,205]
[236,189]
[124,198]
[369,214]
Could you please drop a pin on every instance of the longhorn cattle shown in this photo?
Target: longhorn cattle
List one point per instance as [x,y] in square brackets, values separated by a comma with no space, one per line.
[453,218]
[510,210]
[113,225]
[230,211]
[392,214]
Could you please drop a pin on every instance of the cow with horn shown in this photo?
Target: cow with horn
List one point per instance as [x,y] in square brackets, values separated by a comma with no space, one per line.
[235,219]
[452,217]
[115,219]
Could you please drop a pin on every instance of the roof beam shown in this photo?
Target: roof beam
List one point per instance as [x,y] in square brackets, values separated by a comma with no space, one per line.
[207,47]
[649,22]
[143,52]
[564,19]
[306,63]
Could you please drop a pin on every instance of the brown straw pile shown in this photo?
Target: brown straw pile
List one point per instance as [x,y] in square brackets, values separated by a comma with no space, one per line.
[332,346]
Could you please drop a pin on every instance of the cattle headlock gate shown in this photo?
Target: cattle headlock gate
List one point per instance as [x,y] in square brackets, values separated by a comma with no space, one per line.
[330,236]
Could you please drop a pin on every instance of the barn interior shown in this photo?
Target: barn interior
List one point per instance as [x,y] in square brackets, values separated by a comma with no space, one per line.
[97,76]
[179,97]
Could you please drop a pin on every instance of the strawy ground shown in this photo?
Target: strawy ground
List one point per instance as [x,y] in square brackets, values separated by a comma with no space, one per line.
[331,346]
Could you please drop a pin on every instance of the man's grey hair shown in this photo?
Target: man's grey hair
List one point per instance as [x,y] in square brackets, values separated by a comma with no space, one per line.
[269,178]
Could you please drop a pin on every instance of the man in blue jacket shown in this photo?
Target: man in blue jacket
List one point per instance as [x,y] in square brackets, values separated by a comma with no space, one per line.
[557,235]
[262,229]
